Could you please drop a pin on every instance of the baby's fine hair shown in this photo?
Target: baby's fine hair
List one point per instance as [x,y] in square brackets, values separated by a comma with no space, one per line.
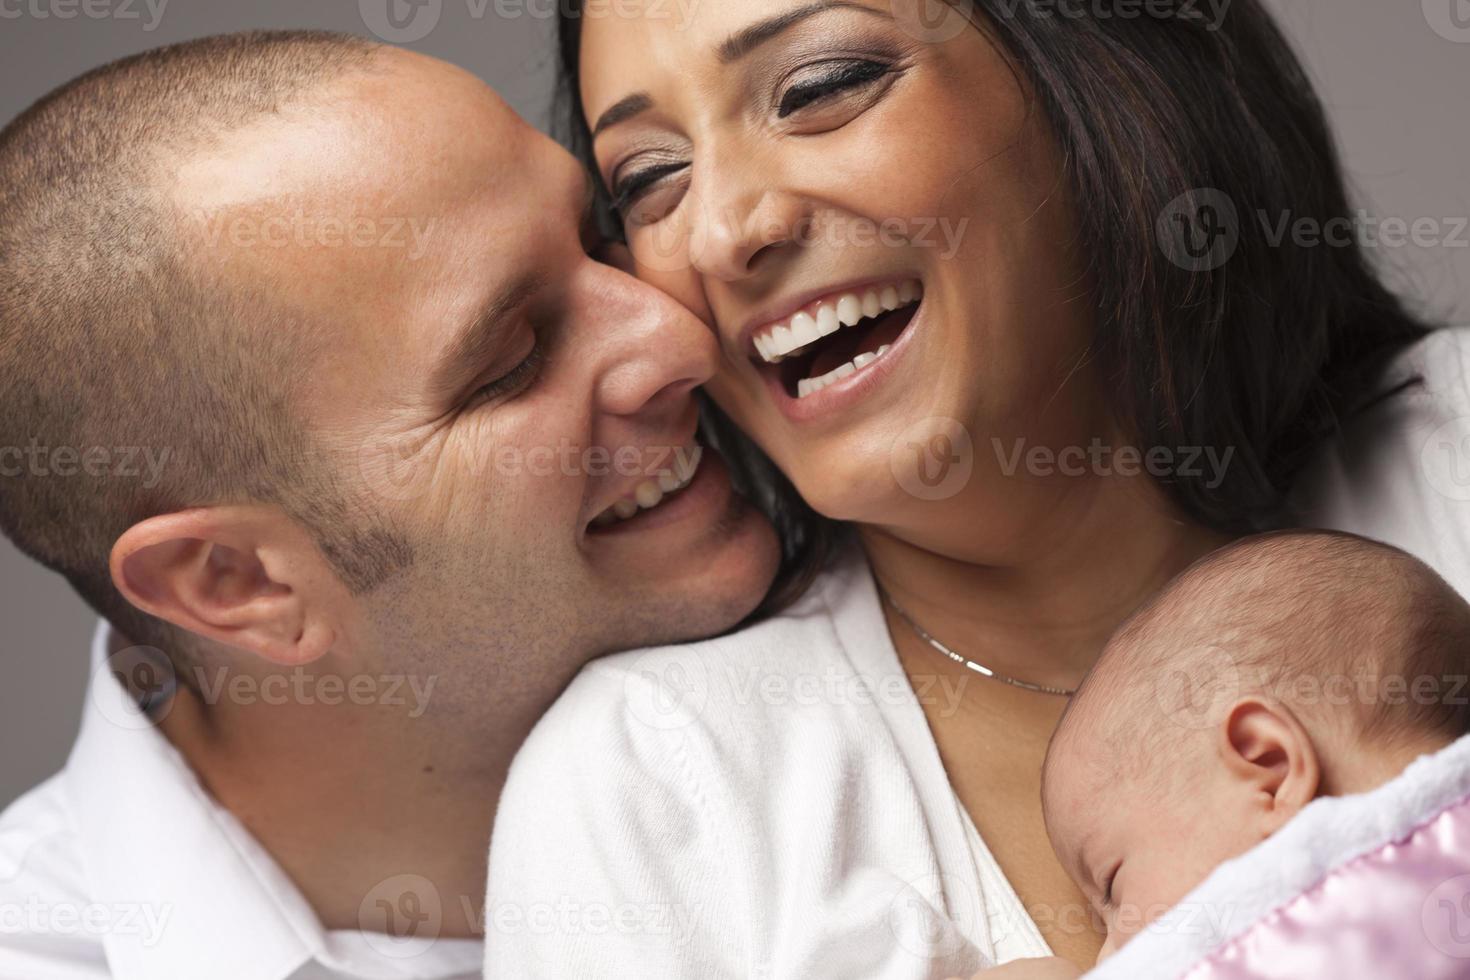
[1324,621]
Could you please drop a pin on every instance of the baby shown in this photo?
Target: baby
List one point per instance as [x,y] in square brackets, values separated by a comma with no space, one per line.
[1280,669]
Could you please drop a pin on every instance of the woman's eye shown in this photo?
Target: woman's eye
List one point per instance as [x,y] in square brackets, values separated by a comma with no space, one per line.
[830,80]
[628,189]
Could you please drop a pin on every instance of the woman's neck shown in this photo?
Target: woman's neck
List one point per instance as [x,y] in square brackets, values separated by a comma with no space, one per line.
[1044,616]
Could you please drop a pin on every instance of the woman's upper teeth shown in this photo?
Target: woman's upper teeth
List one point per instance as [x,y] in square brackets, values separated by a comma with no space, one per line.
[829,315]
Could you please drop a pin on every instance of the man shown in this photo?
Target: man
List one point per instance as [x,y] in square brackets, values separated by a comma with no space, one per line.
[341,297]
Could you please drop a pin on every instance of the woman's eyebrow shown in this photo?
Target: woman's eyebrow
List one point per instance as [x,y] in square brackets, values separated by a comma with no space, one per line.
[742,42]
[621,110]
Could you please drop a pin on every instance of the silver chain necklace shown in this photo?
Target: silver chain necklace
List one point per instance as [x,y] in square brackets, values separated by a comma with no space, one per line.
[980,669]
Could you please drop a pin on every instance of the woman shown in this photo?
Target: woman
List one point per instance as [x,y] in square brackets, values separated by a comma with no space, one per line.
[998,292]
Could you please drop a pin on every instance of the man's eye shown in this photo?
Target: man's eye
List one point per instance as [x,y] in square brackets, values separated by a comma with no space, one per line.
[834,78]
[513,381]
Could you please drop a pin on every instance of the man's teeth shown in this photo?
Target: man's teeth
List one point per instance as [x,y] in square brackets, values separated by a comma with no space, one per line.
[807,386]
[831,315]
[650,493]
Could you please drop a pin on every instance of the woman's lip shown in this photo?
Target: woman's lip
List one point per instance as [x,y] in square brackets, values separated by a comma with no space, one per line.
[848,392]
[789,308]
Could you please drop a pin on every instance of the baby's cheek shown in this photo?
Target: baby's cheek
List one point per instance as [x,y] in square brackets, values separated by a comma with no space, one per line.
[1162,879]
[1146,886]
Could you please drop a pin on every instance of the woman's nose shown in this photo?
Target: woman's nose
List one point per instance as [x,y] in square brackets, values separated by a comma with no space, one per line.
[742,231]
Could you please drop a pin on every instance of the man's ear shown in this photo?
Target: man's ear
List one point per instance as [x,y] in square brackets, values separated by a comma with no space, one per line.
[245,576]
[1265,747]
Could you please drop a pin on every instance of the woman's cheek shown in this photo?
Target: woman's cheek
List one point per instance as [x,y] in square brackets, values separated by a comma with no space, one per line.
[679,282]
[742,399]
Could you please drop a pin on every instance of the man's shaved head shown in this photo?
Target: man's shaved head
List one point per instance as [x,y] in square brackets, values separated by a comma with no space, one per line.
[115,334]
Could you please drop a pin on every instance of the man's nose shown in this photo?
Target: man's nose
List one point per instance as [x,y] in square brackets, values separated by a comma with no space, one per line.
[653,352]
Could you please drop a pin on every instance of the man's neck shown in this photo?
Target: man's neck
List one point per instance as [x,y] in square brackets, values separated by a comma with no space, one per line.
[352,798]
[1043,612]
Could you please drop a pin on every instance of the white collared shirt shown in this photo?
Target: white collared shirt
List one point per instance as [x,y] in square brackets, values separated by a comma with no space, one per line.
[122,866]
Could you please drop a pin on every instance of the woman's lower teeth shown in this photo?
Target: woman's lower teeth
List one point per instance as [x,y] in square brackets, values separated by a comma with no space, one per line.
[808,386]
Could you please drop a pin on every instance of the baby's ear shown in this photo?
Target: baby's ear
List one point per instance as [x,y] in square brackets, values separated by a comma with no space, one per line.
[1266,749]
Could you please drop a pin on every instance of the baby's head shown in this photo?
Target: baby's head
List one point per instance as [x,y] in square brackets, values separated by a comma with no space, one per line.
[1279,669]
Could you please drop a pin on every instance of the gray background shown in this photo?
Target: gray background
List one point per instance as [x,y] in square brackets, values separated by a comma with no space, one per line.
[1394,84]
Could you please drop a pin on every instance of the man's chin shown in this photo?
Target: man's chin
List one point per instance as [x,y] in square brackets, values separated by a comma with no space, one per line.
[709,590]
[693,566]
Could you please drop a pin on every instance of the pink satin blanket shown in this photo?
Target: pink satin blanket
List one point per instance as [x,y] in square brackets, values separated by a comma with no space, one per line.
[1400,911]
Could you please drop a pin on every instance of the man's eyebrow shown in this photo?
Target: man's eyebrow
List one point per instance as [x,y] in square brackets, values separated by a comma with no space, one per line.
[477,340]
[742,42]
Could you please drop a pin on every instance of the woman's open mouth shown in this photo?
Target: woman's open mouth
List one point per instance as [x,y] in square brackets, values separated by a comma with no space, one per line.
[838,336]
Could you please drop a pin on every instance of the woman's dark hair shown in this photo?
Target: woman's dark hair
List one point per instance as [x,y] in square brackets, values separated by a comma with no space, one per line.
[1268,352]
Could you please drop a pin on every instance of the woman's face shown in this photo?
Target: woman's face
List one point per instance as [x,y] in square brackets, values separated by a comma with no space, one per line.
[877,227]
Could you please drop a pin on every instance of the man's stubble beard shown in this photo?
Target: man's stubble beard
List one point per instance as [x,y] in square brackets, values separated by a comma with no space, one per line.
[662,620]
[502,641]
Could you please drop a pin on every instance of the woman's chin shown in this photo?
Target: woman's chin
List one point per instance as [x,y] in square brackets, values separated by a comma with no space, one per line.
[853,497]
